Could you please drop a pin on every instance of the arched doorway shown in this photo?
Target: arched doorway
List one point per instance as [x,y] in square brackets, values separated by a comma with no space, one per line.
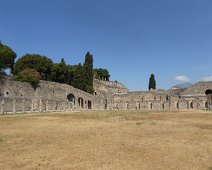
[105,104]
[71,99]
[151,106]
[89,104]
[191,105]
[163,105]
[208,104]
[80,102]
[178,106]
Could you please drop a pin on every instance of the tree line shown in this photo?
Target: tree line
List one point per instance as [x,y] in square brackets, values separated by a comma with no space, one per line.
[34,67]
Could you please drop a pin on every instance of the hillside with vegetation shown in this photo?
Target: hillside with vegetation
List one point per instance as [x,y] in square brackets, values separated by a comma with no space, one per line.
[34,67]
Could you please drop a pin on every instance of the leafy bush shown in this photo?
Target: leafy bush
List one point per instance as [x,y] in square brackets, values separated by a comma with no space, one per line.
[29,75]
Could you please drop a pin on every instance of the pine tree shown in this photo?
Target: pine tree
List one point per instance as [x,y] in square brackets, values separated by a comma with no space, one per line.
[152,82]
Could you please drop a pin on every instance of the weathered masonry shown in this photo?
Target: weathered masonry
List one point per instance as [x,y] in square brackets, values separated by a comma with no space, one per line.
[113,95]
[19,97]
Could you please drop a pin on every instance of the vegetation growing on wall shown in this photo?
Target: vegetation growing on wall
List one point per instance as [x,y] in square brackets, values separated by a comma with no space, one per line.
[29,75]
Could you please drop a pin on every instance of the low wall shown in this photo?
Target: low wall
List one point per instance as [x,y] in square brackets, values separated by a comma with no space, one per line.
[24,105]
[160,105]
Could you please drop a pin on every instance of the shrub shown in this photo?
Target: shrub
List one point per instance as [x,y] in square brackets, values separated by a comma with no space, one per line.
[29,75]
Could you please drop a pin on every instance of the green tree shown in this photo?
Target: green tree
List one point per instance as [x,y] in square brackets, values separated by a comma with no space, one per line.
[60,72]
[41,64]
[7,58]
[152,82]
[71,70]
[78,79]
[101,74]
[29,75]
[88,73]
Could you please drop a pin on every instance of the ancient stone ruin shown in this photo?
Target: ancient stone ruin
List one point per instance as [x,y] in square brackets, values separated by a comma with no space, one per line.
[19,97]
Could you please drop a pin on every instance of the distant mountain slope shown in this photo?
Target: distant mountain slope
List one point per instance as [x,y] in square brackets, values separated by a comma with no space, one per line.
[182,85]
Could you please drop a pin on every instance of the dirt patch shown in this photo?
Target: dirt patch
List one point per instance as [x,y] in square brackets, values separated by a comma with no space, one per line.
[107,140]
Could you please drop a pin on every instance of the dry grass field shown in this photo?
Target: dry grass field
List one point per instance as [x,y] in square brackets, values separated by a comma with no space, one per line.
[106,140]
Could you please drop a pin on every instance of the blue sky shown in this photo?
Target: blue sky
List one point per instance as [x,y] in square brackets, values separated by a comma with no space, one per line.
[131,38]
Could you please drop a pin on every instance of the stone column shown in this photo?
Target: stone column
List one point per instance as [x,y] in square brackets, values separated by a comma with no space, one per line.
[14,102]
[32,105]
[40,105]
[59,103]
[53,105]
[23,106]
[47,105]
[2,106]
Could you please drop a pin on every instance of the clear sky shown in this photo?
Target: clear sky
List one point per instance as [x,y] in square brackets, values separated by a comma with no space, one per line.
[131,38]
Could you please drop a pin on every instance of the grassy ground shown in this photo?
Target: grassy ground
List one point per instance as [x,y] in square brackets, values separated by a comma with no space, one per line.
[107,140]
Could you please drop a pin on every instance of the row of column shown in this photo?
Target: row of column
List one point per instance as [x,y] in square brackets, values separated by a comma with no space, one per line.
[14,105]
[169,105]
[20,105]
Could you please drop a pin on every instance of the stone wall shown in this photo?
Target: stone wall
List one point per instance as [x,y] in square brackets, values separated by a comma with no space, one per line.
[47,96]
[18,97]
[109,87]
[197,89]
[154,100]
[25,105]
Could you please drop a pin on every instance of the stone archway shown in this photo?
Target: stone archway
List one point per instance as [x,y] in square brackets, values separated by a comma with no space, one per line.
[105,104]
[81,102]
[71,99]
[163,105]
[89,104]
[208,94]
[151,106]
[191,105]
[178,105]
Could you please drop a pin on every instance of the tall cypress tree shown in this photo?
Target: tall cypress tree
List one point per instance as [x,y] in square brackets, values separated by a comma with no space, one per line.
[88,73]
[152,82]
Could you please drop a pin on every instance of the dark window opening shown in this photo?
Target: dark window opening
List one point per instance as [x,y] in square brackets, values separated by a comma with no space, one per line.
[89,104]
[191,105]
[178,107]
[163,106]
[151,106]
[208,92]
[80,102]
[71,98]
